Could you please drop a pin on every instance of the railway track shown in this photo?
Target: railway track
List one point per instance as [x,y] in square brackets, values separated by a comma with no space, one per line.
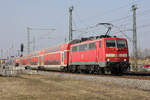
[129,75]
[137,75]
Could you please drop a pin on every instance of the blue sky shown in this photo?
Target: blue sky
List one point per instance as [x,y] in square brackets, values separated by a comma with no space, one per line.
[16,15]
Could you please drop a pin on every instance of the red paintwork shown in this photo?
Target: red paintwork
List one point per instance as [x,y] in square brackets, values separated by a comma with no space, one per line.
[16,60]
[147,66]
[117,51]
[84,56]
[52,56]
[98,54]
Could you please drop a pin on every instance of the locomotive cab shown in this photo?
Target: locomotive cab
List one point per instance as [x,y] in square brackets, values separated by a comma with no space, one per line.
[116,54]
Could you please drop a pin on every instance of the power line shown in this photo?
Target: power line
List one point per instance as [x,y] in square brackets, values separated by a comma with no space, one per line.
[28,36]
[79,19]
[129,16]
[116,20]
[119,19]
[144,26]
[74,23]
[41,29]
[139,20]
[109,12]
[113,10]
[146,32]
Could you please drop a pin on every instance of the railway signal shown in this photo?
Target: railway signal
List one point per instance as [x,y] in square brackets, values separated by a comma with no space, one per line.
[21,49]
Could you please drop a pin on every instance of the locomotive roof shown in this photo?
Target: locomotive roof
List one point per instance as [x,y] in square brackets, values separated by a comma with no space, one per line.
[93,40]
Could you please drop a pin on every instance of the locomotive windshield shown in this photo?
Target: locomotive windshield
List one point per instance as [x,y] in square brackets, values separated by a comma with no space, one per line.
[115,44]
[110,44]
[121,44]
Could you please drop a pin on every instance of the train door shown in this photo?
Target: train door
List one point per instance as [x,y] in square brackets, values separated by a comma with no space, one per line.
[28,61]
[62,58]
[40,60]
[99,51]
[70,57]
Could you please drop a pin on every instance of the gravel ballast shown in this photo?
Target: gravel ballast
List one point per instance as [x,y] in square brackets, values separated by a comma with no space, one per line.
[134,83]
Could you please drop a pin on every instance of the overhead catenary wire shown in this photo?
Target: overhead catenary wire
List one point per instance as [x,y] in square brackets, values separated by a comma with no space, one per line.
[143,26]
[143,13]
[112,11]
[117,20]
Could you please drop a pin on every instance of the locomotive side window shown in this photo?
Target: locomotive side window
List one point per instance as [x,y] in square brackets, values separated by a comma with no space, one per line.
[121,44]
[110,44]
[92,45]
[74,49]
[99,44]
[83,47]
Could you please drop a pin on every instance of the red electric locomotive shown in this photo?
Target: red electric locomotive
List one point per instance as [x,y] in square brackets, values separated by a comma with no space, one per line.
[102,54]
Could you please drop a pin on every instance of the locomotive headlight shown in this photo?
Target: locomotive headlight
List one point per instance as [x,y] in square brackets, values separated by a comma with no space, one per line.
[122,55]
[125,59]
[108,60]
[110,55]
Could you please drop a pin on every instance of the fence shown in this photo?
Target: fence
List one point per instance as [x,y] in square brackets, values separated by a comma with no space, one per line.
[9,70]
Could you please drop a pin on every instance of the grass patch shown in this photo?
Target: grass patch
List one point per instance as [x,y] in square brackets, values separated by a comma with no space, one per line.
[43,87]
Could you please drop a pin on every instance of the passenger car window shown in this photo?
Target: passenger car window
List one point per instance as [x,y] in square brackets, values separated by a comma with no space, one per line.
[74,49]
[99,44]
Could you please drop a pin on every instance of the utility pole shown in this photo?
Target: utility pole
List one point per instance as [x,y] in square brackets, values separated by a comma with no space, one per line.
[134,37]
[65,39]
[12,50]
[33,44]
[1,53]
[70,23]
[28,40]
[18,53]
